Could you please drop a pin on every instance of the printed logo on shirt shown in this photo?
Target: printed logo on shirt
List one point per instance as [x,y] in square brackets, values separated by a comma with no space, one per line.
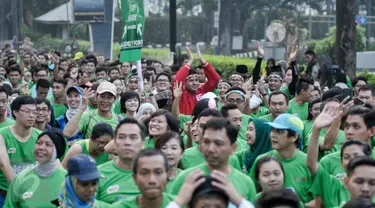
[303,179]
[27,195]
[113,189]
[199,96]
[12,150]
[20,167]
[340,176]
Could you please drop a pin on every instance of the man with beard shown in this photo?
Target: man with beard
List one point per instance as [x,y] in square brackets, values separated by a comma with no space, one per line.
[150,173]
[118,182]
[193,91]
[4,120]
[17,143]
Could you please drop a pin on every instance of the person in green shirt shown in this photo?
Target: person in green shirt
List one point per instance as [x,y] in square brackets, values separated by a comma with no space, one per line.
[59,97]
[101,135]
[194,156]
[17,142]
[172,146]
[314,110]
[117,182]
[232,113]
[39,186]
[278,104]
[357,126]
[329,188]
[158,124]
[150,173]
[4,120]
[285,134]
[300,104]
[129,103]
[78,189]
[85,121]
[217,143]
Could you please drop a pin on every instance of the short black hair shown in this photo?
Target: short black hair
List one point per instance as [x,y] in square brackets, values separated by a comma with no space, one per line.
[151,68]
[278,197]
[126,96]
[369,119]
[368,88]
[201,105]
[4,90]
[358,110]
[38,69]
[210,112]
[359,78]
[311,104]
[163,74]
[102,129]
[226,108]
[208,191]
[42,100]
[14,69]
[101,69]
[274,93]
[60,81]
[42,83]
[113,68]
[20,101]
[132,121]
[303,84]
[359,161]
[365,147]
[332,93]
[149,152]
[310,52]
[222,123]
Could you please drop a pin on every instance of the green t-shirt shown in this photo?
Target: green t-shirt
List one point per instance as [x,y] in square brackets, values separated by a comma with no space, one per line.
[102,158]
[243,184]
[245,123]
[193,157]
[307,127]
[7,123]
[31,190]
[91,108]
[286,91]
[302,111]
[241,159]
[59,109]
[297,175]
[21,154]
[168,189]
[183,119]
[117,107]
[90,119]
[267,117]
[330,189]
[261,112]
[132,203]
[337,147]
[116,184]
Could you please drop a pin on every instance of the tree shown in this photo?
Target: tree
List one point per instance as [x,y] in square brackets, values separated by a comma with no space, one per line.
[346,34]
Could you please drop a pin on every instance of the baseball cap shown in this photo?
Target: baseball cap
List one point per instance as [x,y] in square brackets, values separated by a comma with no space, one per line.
[75,88]
[79,55]
[83,167]
[288,121]
[107,87]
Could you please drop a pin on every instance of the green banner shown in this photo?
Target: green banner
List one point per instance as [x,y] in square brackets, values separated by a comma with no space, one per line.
[132,35]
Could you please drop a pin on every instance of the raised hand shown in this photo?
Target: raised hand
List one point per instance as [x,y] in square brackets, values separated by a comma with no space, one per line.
[294,54]
[260,49]
[327,116]
[87,94]
[190,57]
[24,90]
[177,89]
[224,184]
[191,183]
[199,55]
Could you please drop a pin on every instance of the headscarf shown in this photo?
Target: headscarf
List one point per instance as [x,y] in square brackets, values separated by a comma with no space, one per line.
[72,111]
[144,107]
[69,197]
[48,168]
[262,142]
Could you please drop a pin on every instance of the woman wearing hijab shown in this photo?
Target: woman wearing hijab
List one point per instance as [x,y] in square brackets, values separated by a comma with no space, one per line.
[39,186]
[258,138]
[74,98]
[79,188]
[145,111]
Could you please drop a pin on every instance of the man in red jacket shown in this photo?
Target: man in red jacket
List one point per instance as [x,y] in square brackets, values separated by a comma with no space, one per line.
[192,90]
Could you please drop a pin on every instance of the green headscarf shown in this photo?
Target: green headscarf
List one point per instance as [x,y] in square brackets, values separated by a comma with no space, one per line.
[262,142]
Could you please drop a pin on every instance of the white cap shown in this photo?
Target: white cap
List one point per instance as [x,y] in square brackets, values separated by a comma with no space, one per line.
[107,87]
[209,95]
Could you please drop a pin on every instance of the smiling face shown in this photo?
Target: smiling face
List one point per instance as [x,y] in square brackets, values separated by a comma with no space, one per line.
[271,176]
[151,177]
[42,112]
[274,84]
[74,99]
[158,125]
[315,110]
[162,83]
[288,76]
[173,151]
[44,149]
[222,89]
[105,101]
[250,134]
[192,83]
[132,104]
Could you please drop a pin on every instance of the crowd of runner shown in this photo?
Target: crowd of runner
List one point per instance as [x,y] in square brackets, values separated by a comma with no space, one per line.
[91,132]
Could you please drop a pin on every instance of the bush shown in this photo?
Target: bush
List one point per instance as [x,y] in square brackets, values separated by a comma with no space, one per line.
[226,65]
[370,77]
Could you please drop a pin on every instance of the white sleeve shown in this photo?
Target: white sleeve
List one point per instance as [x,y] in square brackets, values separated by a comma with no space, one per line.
[173,204]
[246,204]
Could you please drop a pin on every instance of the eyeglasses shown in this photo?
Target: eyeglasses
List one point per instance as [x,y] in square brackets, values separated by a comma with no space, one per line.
[29,112]
[41,109]
[101,144]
